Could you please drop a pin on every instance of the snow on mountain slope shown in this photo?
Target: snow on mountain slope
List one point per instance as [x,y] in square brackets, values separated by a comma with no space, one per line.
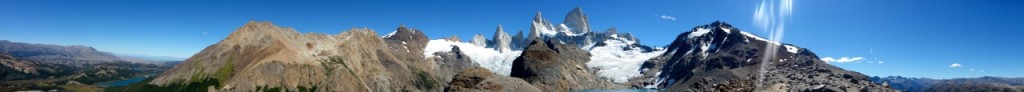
[619,60]
[497,62]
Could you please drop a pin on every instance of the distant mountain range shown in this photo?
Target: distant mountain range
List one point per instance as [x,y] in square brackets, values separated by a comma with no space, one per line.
[28,66]
[260,56]
[980,84]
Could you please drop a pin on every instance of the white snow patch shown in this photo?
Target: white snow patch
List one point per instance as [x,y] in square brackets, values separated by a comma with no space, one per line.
[389,34]
[617,64]
[699,32]
[497,62]
[758,38]
[792,49]
[545,29]
[841,59]
[727,31]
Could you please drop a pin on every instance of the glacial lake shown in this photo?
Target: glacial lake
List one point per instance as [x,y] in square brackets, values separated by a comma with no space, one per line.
[122,82]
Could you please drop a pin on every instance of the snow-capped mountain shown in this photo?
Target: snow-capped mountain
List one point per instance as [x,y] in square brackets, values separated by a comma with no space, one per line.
[719,57]
[554,57]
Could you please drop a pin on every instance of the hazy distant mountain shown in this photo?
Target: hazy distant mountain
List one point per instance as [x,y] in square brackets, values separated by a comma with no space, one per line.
[980,84]
[137,57]
[25,66]
[56,54]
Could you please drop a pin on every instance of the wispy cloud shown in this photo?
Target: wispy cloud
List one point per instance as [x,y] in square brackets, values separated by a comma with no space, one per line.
[841,59]
[955,65]
[666,17]
[204,33]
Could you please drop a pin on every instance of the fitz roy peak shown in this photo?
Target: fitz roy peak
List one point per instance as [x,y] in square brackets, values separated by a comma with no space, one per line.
[552,57]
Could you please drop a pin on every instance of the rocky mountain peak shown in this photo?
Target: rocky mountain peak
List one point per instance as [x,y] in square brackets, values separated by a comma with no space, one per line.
[719,57]
[502,40]
[577,22]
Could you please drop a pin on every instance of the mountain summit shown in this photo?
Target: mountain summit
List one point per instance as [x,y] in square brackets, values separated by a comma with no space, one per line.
[719,57]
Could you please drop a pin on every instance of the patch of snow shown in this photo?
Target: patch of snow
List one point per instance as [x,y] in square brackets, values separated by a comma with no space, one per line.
[545,29]
[705,47]
[614,62]
[497,62]
[389,34]
[656,81]
[758,38]
[699,32]
[727,31]
[792,49]
[403,42]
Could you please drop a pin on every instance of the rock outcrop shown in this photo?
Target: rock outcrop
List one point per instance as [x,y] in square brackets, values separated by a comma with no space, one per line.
[451,63]
[552,66]
[479,79]
[479,40]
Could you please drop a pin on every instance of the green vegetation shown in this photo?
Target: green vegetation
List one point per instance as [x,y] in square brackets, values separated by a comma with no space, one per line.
[305,89]
[278,89]
[227,71]
[425,81]
[196,86]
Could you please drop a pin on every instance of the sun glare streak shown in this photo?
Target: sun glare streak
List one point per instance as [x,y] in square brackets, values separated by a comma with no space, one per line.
[771,19]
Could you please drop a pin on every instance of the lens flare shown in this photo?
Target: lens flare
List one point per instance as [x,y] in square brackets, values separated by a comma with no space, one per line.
[770,16]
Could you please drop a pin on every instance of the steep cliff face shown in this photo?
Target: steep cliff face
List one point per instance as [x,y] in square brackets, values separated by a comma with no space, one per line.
[260,55]
[576,21]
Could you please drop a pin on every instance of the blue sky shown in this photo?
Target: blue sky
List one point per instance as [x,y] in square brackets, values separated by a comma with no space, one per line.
[916,38]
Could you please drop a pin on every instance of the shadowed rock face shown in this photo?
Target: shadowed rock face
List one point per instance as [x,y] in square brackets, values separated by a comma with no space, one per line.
[450,63]
[556,67]
[718,57]
[477,79]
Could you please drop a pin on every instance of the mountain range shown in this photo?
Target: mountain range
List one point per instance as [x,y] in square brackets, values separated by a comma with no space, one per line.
[980,84]
[260,56]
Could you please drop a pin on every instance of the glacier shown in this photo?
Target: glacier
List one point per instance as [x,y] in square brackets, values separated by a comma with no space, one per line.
[499,62]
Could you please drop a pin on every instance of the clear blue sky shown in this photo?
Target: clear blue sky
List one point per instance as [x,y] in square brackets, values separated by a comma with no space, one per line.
[916,38]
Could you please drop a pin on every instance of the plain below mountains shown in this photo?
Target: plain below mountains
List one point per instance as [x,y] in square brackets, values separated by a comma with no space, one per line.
[25,66]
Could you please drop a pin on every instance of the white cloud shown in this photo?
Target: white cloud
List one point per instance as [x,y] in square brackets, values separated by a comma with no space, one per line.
[204,33]
[841,59]
[955,65]
[881,62]
[972,69]
[666,17]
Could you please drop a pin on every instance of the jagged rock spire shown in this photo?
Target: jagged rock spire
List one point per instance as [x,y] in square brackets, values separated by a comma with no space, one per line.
[577,21]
